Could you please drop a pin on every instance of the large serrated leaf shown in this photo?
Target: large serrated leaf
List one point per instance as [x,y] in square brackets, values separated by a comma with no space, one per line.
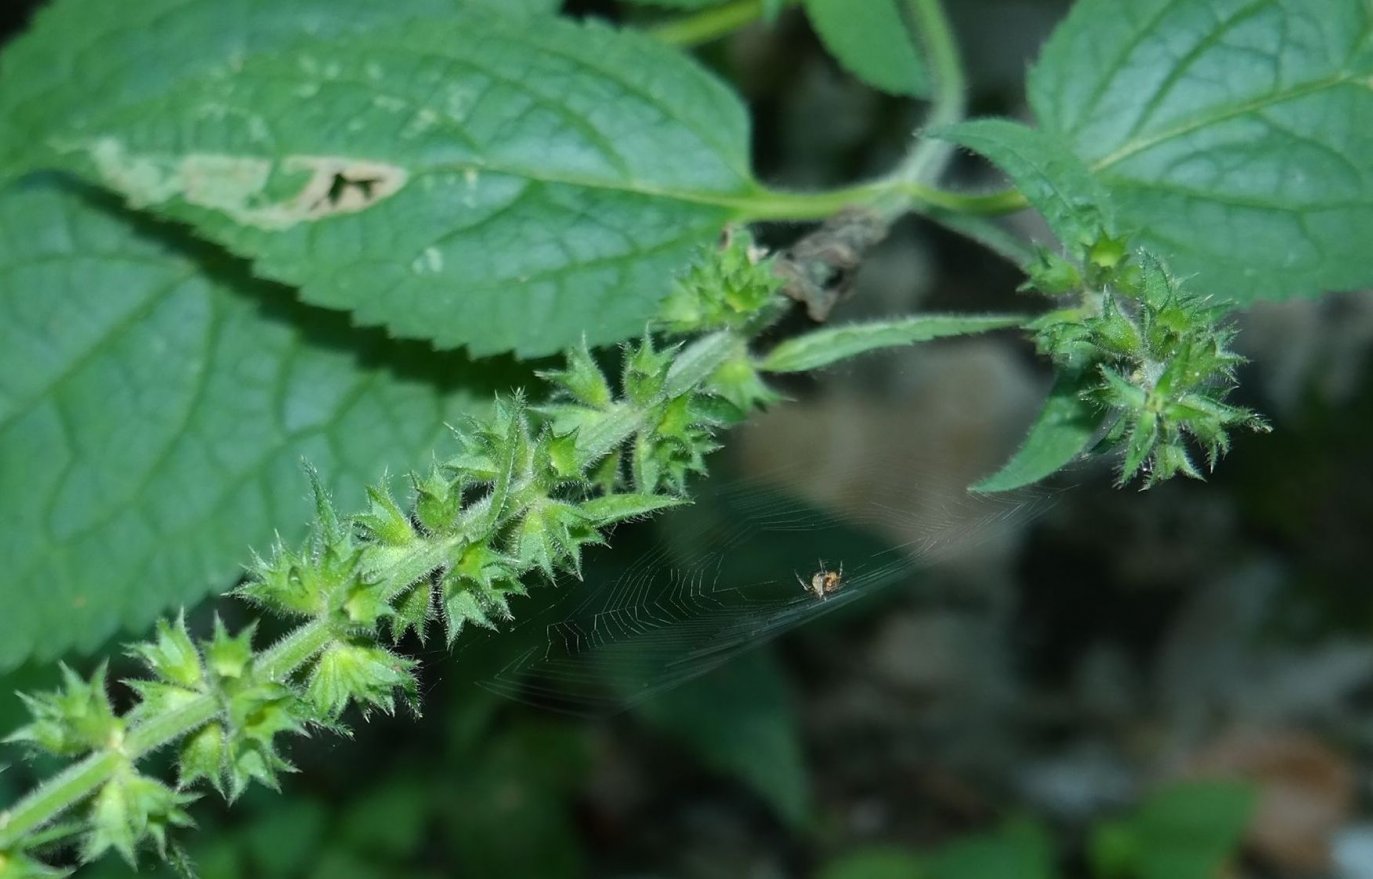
[155,404]
[1235,136]
[473,179]
[1074,204]
[871,40]
[86,54]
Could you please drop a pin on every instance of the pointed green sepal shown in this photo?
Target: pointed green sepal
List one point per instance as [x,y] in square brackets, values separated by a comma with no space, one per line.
[361,672]
[581,379]
[156,698]
[438,501]
[645,371]
[303,583]
[258,711]
[477,587]
[728,286]
[72,720]
[365,605]
[739,382]
[205,754]
[413,611]
[384,520]
[563,460]
[550,537]
[172,656]
[329,528]
[229,656]
[131,810]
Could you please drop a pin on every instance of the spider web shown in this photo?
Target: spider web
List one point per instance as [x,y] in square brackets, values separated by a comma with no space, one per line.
[688,591]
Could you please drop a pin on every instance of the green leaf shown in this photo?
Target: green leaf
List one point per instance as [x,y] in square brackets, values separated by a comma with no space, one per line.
[1189,830]
[81,54]
[438,176]
[1019,848]
[871,40]
[1055,181]
[520,7]
[823,347]
[1064,428]
[740,720]
[153,416]
[1234,136]
[610,508]
[876,862]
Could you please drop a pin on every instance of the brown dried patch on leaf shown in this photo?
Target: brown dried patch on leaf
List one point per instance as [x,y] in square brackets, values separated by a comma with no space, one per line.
[252,190]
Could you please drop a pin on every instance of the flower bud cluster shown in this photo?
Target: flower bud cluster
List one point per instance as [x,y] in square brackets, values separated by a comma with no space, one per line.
[528,488]
[1153,358]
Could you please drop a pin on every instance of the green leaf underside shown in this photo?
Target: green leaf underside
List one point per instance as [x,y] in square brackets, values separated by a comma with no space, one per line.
[1235,136]
[472,179]
[153,418]
[823,347]
[1063,429]
[870,39]
[1075,205]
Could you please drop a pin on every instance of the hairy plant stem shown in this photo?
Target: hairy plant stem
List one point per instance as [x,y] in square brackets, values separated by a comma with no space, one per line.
[911,186]
[398,569]
[926,161]
[891,196]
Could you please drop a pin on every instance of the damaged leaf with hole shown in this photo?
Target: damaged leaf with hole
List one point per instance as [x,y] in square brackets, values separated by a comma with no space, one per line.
[252,190]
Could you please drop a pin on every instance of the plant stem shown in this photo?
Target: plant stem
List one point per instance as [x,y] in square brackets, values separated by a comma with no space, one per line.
[279,662]
[709,24]
[926,161]
[691,367]
[891,196]
[56,795]
[80,780]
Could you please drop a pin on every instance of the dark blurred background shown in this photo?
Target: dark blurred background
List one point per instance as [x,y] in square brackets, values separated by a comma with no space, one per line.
[1094,677]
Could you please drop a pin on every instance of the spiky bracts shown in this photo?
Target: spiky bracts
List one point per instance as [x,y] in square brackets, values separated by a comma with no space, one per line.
[1153,358]
[527,490]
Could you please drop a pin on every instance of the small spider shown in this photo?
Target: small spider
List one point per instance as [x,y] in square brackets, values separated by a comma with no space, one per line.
[823,582]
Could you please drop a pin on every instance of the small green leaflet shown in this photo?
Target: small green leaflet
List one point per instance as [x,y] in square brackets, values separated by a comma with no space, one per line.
[822,347]
[1075,205]
[155,405]
[1235,137]
[472,179]
[871,40]
[1062,431]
